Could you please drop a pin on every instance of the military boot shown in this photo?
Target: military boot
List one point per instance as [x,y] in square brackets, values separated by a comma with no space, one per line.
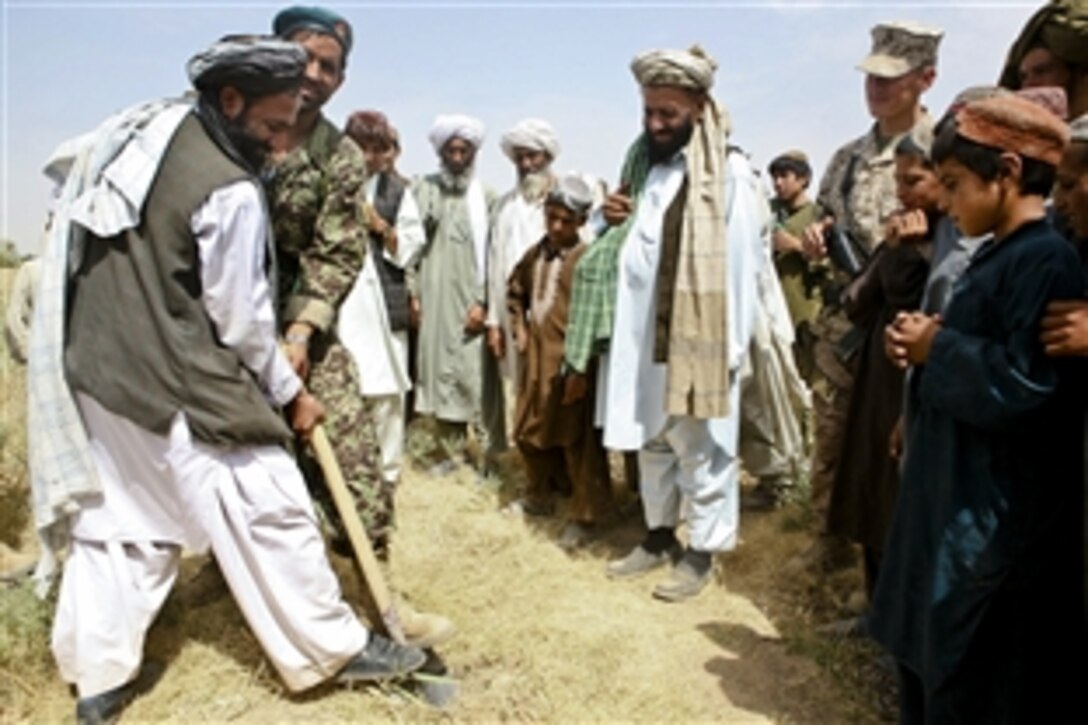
[422,629]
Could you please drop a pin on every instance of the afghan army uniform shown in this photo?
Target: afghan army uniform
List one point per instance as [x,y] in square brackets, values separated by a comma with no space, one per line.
[318,204]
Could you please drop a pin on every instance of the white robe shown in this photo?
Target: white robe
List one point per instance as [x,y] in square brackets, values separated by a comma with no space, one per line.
[681,458]
[518,225]
[381,355]
[774,397]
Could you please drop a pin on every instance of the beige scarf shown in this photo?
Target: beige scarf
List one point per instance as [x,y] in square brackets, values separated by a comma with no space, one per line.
[698,352]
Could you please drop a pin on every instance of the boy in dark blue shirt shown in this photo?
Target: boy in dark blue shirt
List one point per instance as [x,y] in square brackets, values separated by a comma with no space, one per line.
[984,545]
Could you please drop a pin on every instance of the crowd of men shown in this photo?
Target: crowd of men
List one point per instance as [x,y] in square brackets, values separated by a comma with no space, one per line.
[226,271]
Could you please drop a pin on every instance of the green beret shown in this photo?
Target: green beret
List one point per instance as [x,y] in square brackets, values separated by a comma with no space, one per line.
[325,21]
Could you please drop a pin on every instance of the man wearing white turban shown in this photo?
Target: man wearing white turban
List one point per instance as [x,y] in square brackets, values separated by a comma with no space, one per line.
[672,287]
[451,282]
[518,223]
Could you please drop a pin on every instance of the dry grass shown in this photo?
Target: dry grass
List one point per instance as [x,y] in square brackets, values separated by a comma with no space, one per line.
[14,504]
[543,636]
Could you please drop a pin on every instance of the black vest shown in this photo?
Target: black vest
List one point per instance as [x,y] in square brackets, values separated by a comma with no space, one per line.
[138,339]
[387,200]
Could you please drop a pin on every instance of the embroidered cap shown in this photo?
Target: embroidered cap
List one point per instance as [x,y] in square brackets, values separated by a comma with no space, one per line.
[1012,123]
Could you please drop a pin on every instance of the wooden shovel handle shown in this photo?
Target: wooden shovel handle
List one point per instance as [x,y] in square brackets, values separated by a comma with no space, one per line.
[360,543]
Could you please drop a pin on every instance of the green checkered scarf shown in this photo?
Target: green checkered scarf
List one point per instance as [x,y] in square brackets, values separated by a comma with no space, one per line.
[593,299]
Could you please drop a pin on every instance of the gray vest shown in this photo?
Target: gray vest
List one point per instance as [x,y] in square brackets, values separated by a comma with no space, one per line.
[138,339]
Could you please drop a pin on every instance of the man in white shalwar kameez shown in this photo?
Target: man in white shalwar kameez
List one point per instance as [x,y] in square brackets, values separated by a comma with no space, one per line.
[171,360]
[365,324]
[686,281]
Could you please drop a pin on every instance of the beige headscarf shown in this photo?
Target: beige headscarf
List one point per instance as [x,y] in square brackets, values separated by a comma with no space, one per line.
[698,333]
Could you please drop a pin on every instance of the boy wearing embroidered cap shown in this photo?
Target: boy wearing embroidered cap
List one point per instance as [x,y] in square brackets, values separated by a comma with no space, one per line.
[985,541]
[553,431]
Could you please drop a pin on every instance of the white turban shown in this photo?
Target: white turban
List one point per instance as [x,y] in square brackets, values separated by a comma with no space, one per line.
[456,125]
[685,68]
[533,134]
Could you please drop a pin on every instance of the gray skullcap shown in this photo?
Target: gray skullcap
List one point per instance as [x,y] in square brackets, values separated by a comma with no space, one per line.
[901,47]
[533,134]
[692,68]
[572,192]
[255,65]
[1078,129]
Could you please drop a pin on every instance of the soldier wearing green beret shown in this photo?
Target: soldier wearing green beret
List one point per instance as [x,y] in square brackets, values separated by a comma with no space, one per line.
[322,225]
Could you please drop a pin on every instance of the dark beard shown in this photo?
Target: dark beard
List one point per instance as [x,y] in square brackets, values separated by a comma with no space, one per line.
[661,152]
[253,150]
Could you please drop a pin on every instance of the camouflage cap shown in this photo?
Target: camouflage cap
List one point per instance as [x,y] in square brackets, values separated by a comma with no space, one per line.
[1060,26]
[901,47]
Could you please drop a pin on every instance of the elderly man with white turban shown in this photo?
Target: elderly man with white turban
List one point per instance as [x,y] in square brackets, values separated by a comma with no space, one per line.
[451,283]
[671,288]
[518,223]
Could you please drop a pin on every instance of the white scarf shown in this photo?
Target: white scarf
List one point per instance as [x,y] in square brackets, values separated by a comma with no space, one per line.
[477,217]
[108,174]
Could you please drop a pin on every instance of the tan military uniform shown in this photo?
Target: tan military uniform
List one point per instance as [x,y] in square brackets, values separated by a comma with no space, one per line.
[802,280]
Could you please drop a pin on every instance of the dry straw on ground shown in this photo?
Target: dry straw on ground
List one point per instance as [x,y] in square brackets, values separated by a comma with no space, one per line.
[543,636]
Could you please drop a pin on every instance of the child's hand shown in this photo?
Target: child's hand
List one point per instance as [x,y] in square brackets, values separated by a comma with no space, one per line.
[893,348]
[574,388]
[1065,328]
[914,332]
[906,226]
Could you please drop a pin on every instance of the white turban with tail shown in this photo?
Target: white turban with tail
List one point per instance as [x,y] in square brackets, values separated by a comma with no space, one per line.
[533,134]
[456,125]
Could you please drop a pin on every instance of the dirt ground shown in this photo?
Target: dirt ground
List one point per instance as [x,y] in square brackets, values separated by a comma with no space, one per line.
[542,635]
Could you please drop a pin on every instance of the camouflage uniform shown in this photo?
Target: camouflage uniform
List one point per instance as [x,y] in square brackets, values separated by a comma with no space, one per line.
[870,160]
[318,211]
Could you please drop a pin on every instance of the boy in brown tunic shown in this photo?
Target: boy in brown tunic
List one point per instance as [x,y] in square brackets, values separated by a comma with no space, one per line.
[554,415]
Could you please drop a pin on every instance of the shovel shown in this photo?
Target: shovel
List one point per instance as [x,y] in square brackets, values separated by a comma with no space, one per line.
[436,687]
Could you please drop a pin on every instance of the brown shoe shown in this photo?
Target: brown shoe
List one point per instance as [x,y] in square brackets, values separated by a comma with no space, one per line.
[422,629]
